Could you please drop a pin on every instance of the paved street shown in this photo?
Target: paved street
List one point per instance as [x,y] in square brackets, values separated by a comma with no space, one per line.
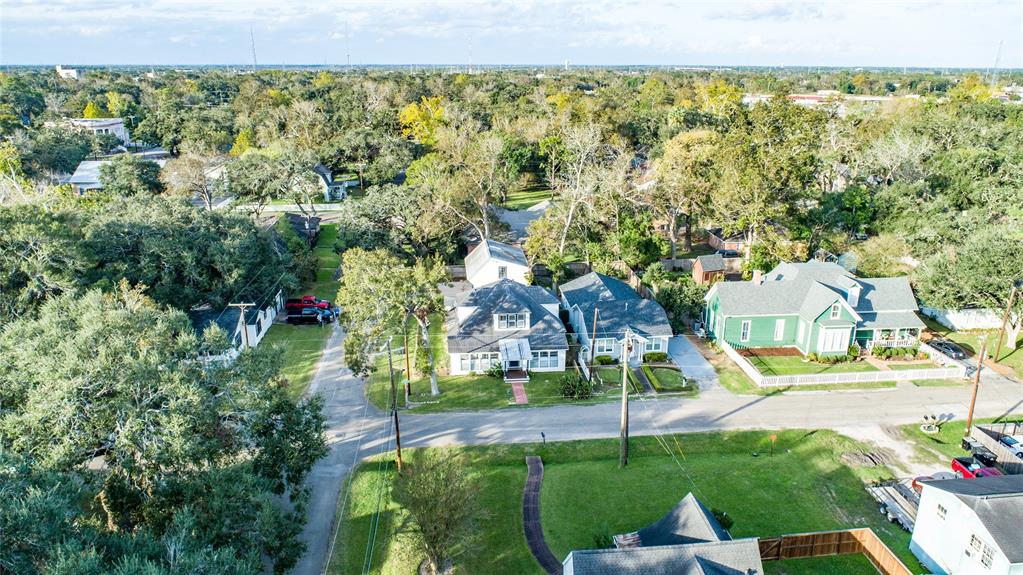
[357,430]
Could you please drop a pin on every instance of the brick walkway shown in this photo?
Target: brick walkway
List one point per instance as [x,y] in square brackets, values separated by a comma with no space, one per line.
[531,518]
[519,391]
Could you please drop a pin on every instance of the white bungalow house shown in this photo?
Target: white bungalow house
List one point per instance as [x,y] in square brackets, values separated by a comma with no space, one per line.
[100,126]
[333,190]
[970,526]
[506,323]
[241,332]
[617,310]
[492,261]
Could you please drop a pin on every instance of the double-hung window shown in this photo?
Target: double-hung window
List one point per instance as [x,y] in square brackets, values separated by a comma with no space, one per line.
[779,329]
[544,360]
[511,321]
[835,310]
[604,345]
[988,556]
[502,272]
[653,344]
[744,331]
[478,362]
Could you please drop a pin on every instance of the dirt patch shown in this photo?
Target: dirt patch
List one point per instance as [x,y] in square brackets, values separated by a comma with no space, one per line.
[877,458]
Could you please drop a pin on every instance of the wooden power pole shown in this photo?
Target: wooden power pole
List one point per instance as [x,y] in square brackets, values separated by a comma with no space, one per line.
[394,403]
[623,451]
[241,320]
[976,385]
[1005,317]
[408,363]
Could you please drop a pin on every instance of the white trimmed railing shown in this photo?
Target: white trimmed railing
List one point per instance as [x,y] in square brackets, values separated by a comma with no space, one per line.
[956,371]
[901,342]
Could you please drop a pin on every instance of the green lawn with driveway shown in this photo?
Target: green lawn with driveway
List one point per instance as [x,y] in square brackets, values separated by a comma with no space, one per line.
[303,344]
[796,365]
[523,198]
[970,342]
[805,486]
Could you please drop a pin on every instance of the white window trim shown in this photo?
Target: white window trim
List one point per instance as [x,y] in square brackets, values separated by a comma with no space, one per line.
[652,344]
[604,345]
[779,329]
[502,272]
[802,330]
[836,311]
[744,330]
[522,318]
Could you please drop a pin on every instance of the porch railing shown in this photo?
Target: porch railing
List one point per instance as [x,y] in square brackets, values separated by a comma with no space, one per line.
[899,342]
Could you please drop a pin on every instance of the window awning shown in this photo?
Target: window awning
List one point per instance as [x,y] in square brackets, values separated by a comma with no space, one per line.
[515,350]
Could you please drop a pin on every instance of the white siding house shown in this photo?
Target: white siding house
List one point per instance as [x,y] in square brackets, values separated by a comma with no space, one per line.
[100,126]
[492,261]
[971,526]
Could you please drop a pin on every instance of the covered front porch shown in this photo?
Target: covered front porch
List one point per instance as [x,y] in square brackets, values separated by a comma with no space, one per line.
[888,337]
[515,356]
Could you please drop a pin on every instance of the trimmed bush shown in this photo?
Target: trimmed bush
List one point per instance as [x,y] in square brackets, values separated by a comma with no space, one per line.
[854,350]
[603,360]
[655,357]
[811,356]
[496,370]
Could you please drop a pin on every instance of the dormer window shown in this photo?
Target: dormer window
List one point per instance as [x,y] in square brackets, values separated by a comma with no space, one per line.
[512,320]
[853,296]
[835,310]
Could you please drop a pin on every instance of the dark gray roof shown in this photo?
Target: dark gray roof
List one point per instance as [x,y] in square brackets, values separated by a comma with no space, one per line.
[712,263]
[998,503]
[641,316]
[226,319]
[719,232]
[324,173]
[596,287]
[688,522]
[807,289]
[736,557]
[476,333]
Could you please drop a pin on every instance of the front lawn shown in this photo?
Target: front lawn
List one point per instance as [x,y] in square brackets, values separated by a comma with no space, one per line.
[584,495]
[898,365]
[667,380]
[795,365]
[526,197]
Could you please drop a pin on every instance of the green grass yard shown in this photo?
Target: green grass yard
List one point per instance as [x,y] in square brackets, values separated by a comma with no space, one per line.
[941,447]
[668,380]
[303,344]
[795,365]
[585,495]
[733,379]
[526,197]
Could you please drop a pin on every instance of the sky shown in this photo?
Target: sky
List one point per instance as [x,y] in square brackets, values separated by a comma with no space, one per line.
[868,33]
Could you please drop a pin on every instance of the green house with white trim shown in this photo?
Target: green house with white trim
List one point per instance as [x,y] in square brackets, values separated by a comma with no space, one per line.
[815,307]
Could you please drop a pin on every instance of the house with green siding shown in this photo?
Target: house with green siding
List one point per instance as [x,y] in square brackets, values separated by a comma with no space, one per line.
[815,307]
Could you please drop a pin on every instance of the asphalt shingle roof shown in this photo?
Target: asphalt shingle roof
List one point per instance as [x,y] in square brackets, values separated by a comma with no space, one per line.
[688,522]
[712,263]
[477,334]
[736,557]
[807,289]
[998,503]
[596,287]
[619,307]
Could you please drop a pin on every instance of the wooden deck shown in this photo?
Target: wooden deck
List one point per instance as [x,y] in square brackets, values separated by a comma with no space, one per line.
[516,375]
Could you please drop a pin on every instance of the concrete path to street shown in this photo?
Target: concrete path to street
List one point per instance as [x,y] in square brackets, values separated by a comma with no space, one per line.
[519,220]
[692,363]
[357,430]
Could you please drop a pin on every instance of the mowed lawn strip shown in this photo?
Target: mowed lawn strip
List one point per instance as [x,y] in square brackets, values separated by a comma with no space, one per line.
[794,365]
[941,447]
[303,344]
[804,486]
[526,197]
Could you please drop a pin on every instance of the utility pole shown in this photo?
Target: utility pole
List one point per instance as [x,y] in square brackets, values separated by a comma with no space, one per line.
[241,320]
[976,385]
[593,342]
[348,53]
[1005,318]
[623,449]
[394,403]
[408,363]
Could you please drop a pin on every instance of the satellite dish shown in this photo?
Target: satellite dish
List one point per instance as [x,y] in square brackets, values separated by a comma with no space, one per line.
[849,261]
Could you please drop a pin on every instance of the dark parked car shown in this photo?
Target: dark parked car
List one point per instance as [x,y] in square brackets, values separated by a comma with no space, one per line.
[728,253]
[310,315]
[984,455]
[948,348]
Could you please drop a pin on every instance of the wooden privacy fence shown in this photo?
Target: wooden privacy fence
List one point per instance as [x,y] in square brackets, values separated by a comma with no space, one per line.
[830,543]
[762,380]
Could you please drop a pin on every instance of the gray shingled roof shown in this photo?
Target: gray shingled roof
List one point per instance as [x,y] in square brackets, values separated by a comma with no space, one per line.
[476,333]
[712,263]
[596,287]
[688,522]
[998,503]
[737,557]
[807,289]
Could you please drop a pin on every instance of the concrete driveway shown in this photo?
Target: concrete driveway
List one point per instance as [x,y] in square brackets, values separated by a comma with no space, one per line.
[691,362]
[519,220]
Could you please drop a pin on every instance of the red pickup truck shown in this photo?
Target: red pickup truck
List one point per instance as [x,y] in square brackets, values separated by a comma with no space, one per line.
[298,304]
[969,468]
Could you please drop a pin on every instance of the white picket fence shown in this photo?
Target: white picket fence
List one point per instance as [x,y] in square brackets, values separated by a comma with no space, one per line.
[948,372]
